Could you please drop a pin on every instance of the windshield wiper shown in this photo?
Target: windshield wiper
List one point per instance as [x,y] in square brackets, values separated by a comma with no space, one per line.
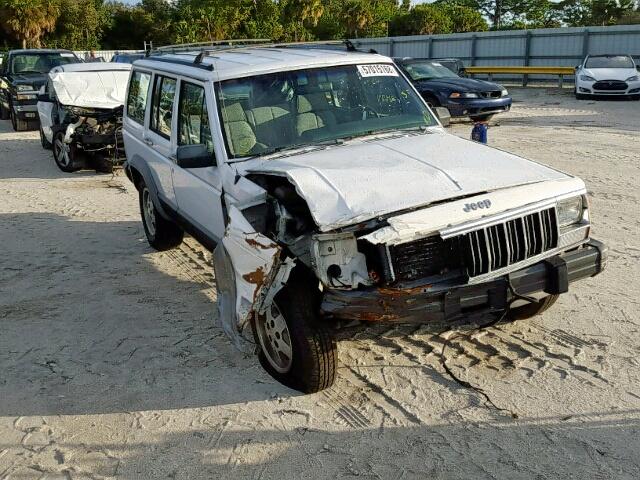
[286,150]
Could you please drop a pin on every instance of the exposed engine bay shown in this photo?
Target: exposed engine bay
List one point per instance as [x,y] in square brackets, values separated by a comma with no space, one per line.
[94,136]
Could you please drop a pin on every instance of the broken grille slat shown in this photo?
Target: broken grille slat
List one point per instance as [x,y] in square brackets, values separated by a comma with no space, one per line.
[480,251]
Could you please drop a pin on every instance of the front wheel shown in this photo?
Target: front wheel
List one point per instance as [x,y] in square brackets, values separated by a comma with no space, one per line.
[64,154]
[295,348]
[17,124]
[161,234]
[532,309]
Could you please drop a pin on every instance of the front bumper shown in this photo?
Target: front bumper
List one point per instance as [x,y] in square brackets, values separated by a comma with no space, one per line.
[26,111]
[437,304]
[477,106]
[587,88]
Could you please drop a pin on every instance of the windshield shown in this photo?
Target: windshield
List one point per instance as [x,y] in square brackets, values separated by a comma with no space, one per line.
[269,113]
[609,61]
[36,63]
[427,71]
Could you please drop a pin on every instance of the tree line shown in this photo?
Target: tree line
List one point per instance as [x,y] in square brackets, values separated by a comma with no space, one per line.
[94,24]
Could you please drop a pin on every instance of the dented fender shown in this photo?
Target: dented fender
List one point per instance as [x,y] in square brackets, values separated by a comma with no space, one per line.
[249,273]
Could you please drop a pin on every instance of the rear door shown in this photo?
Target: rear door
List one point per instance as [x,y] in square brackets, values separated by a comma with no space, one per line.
[198,190]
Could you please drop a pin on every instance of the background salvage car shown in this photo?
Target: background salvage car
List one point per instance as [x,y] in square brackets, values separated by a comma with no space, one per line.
[329,192]
[80,110]
[463,97]
[22,73]
[608,75]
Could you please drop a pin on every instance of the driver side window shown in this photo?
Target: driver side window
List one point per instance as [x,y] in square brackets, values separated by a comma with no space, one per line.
[164,93]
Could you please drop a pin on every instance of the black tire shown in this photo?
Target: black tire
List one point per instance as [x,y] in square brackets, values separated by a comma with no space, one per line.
[46,144]
[314,358]
[481,118]
[162,234]
[4,113]
[64,154]
[533,309]
[431,101]
[17,124]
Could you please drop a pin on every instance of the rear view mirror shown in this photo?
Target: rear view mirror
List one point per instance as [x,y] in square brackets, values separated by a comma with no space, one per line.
[194,156]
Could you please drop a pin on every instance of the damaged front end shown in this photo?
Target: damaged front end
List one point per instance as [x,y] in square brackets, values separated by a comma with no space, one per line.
[93,135]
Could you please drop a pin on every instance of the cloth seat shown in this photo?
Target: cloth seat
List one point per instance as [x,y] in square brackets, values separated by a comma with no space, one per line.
[314,112]
[240,136]
[272,124]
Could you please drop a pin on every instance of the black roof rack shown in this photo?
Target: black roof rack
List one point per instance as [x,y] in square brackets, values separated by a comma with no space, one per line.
[205,49]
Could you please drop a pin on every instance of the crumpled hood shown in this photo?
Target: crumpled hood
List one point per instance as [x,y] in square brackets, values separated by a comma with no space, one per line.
[351,183]
[610,73]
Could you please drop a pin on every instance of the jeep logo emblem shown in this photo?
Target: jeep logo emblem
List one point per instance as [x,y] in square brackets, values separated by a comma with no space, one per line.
[468,207]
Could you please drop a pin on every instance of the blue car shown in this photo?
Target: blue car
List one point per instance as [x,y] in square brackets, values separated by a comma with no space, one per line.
[463,97]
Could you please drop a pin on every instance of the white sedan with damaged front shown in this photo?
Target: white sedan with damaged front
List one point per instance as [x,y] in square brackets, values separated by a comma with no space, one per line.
[329,193]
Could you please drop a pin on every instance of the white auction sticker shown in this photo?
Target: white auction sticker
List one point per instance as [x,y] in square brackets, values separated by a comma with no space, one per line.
[377,70]
[69,55]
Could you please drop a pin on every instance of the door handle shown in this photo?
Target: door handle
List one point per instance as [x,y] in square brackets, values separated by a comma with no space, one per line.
[148,142]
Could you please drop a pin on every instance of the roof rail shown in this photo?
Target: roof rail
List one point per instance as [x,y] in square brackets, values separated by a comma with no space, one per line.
[239,42]
[206,49]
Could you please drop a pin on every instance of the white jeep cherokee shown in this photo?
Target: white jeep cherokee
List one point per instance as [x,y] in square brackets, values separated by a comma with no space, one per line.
[328,191]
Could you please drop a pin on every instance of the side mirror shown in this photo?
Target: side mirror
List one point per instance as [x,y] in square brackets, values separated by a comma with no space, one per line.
[443,115]
[577,67]
[638,68]
[194,156]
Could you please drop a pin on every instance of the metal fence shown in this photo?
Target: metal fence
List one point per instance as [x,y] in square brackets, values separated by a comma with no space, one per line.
[539,47]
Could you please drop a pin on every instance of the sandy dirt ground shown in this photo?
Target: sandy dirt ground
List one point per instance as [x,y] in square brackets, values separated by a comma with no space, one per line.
[112,364]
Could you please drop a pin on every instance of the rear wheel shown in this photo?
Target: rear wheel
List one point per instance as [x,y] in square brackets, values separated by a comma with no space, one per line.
[161,234]
[64,154]
[532,309]
[295,348]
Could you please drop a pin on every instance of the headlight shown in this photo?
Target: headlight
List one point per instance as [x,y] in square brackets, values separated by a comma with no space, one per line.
[570,211]
[632,79]
[504,92]
[463,95]
[587,78]
[23,88]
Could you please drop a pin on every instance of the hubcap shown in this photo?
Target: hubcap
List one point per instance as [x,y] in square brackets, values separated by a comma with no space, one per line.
[149,212]
[274,338]
[62,152]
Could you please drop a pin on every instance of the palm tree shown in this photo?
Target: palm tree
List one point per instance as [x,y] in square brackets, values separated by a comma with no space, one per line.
[28,20]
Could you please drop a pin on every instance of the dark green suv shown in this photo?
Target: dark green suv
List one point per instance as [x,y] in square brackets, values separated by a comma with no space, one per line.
[22,73]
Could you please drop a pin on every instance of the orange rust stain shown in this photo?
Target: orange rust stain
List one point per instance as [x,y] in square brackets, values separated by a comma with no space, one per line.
[255,244]
[257,277]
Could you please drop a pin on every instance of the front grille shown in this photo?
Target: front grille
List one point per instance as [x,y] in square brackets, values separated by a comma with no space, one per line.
[492,94]
[610,85]
[424,257]
[478,252]
[499,246]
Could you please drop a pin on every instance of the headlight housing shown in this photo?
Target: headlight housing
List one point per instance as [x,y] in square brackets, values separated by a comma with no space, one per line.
[570,211]
[587,78]
[463,95]
[632,79]
[24,88]
[504,92]
[23,96]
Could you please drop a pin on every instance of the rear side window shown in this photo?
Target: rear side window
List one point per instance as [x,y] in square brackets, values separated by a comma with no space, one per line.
[137,98]
[193,119]
[164,93]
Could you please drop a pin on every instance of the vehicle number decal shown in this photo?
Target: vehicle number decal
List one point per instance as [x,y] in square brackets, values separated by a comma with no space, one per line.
[377,70]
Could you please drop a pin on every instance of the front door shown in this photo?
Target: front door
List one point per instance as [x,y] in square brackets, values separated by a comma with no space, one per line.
[198,190]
